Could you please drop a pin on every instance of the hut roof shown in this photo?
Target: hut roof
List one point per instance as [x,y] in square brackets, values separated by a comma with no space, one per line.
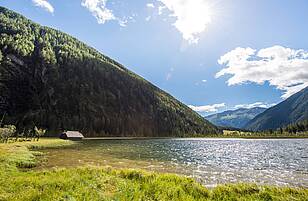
[73,134]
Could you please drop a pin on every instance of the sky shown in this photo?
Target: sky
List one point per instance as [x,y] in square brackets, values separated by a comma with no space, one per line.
[212,55]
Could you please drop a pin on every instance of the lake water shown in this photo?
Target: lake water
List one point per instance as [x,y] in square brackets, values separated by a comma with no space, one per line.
[210,161]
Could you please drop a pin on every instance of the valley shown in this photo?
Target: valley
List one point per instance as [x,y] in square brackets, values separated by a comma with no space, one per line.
[162,127]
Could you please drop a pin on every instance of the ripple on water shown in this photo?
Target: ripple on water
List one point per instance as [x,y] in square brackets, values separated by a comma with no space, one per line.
[210,161]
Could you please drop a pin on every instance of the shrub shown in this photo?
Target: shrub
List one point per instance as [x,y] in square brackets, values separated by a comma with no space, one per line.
[39,132]
[6,132]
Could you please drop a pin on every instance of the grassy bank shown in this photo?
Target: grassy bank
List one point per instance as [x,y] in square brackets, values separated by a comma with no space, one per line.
[262,135]
[19,182]
[23,154]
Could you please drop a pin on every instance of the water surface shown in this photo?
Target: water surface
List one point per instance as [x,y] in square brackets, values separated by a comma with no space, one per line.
[282,162]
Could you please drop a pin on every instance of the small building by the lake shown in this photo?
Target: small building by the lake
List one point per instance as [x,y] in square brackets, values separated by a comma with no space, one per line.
[71,135]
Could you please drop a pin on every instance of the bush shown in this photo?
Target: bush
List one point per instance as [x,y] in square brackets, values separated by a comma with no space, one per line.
[39,132]
[6,132]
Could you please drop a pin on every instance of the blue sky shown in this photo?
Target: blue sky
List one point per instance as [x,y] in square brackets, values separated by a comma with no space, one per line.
[182,46]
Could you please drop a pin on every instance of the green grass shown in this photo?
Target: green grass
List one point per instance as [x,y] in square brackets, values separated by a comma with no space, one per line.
[261,135]
[19,182]
[23,154]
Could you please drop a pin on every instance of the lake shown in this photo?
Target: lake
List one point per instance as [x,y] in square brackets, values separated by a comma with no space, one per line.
[282,162]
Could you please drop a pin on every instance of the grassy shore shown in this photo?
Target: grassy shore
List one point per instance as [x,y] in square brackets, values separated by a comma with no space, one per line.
[261,135]
[246,136]
[19,182]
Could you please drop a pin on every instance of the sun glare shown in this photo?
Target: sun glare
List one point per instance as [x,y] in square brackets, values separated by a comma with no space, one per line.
[193,17]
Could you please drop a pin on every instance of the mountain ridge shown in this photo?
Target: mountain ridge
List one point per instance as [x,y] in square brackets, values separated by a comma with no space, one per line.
[292,110]
[235,118]
[53,80]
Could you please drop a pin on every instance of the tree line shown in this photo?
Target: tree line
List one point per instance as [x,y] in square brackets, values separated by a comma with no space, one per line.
[296,127]
[300,127]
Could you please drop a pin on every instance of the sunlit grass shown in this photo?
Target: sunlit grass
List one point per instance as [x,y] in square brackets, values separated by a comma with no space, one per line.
[22,154]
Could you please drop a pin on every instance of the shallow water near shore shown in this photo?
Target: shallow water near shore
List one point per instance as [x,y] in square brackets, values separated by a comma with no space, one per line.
[282,162]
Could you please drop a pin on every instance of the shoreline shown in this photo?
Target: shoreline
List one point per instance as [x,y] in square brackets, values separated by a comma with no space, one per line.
[196,138]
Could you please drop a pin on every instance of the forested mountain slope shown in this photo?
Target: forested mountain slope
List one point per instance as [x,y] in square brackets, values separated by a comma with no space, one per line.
[52,80]
[292,110]
[235,118]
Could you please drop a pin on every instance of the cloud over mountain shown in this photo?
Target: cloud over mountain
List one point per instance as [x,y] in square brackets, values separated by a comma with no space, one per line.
[284,68]
[253,105]
[99,10]
[44,4]
[208,108]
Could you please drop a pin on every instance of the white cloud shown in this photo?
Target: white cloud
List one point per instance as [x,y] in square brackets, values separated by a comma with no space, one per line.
[148,18]
[150,5]
[256,104]
[208,108]
[202,82]
[123,22]
[99,10]
[192,16]
[160,9]
[44,4]
[284,68]
[216,107]
[169,74]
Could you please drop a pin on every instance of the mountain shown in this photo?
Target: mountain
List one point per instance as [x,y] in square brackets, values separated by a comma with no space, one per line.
[235,118]
[54,81]
[292,110]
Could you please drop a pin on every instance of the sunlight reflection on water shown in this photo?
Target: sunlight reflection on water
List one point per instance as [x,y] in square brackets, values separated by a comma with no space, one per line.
[210,161]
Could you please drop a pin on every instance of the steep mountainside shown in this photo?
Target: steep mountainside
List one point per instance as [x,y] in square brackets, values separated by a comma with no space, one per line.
[292,110]
[50,79]
[235,118]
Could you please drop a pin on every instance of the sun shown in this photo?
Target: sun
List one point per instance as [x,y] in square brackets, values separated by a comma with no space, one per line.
[193,16]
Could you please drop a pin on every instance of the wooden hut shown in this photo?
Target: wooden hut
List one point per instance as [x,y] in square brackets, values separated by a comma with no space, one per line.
[71,135]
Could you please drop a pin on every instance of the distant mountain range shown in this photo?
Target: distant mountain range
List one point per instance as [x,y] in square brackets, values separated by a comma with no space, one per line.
[292,110]
[235,118]
[52,80]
